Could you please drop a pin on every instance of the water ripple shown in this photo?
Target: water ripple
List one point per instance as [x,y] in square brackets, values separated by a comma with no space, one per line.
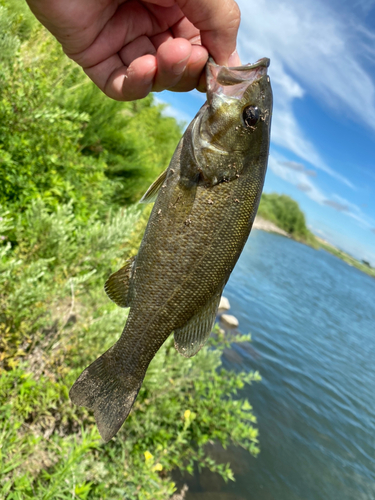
[312,320]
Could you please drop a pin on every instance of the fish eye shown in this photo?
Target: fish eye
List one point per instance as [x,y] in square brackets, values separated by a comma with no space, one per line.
[251,115]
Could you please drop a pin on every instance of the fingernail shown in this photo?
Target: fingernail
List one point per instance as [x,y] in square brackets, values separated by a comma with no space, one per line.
[234,59]
[180,66]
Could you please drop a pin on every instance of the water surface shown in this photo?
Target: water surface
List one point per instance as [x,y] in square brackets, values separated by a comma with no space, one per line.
[312,320]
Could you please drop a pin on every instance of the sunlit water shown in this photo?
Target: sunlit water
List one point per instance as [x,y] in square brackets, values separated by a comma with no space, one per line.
[312,320]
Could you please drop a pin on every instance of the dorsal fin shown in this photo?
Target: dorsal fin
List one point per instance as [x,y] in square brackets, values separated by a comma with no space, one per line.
[117,285]
[189,339]
[152,191]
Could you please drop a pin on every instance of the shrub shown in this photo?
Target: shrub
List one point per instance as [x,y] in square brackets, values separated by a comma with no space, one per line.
[69,159]
[56,319]
[61,139]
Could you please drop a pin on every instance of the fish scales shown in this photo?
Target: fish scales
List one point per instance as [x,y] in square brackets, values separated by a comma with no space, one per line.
[202,217]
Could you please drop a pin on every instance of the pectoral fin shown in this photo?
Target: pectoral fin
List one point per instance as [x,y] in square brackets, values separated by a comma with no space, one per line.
[151,193]
[117,285]
[189,339]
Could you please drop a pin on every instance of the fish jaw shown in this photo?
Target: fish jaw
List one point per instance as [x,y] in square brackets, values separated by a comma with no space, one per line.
[222,142]
[233,82]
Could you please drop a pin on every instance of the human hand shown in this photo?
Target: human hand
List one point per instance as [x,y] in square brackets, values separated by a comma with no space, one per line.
[132,47]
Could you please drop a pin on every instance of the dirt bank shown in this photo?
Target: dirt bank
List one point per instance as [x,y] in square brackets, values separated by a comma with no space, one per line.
[266,225]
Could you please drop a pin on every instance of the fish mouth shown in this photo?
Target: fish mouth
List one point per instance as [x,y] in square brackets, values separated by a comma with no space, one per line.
[233,82]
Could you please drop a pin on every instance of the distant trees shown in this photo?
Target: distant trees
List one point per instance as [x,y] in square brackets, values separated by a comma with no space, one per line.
[286,214]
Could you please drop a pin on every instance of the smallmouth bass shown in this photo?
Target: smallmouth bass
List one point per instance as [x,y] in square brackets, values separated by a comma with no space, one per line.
[206,203]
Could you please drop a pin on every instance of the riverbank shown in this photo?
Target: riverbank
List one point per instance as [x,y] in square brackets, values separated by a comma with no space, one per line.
[318,243]
[313,335]
[270,227]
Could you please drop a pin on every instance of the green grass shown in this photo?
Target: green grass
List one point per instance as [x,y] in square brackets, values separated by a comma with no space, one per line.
[70,160]
[55,320]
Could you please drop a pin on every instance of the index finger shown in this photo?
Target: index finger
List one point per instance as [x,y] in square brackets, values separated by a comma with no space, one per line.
[217,21]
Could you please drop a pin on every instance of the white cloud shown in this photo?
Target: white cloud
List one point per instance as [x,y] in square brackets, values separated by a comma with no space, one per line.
[355,212]
[311,50]
[300,177]
[287,133]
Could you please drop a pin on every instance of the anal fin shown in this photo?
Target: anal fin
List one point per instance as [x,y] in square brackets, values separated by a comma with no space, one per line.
[190,338]
[118,284]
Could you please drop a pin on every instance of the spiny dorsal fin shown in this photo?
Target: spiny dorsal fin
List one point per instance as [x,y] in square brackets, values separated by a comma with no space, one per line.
[152,191]
[117,285]
[189,339]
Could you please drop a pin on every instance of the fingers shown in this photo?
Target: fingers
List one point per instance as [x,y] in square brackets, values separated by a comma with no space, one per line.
[172,58]
[190,78]
[218,22]
[131,21]
[139,68]
[179,65]
[214,23]
[137,48]
[147,56]
[130,47]
[185,29]
[124,83]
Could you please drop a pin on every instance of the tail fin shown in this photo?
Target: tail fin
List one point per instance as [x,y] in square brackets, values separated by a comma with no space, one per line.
[103,388]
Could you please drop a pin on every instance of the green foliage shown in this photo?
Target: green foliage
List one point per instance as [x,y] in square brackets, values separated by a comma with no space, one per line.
[284,212]
[56,319]
[61,139]
[127,137]
[52,243]
[69,158]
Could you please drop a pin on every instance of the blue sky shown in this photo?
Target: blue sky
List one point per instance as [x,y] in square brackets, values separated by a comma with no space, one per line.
[323,130]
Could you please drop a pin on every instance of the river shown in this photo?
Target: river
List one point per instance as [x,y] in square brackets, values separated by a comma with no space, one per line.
[312,320]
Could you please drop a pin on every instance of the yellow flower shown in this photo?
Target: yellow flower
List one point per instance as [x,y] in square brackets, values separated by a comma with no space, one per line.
[157,467]
[187,414]
[148,456]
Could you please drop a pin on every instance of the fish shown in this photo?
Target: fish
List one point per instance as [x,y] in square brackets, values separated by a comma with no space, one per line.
[205,205]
